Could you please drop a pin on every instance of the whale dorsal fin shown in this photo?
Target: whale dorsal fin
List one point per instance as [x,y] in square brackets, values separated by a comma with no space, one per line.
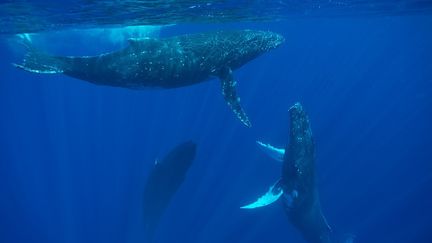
[271,196]
[230,95]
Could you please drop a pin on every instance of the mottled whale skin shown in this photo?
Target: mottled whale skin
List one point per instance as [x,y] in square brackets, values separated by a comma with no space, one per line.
[301,202]
[163,182]
[166,63]
[297,187]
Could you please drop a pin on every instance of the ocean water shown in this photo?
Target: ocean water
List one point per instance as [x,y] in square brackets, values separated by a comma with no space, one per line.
[74,157]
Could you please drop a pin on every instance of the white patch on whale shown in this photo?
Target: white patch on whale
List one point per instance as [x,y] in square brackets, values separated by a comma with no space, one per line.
[267,199]
[273,152]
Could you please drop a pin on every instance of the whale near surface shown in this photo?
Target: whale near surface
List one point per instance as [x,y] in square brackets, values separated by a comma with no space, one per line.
[296,187]
[163,182]
[165,63]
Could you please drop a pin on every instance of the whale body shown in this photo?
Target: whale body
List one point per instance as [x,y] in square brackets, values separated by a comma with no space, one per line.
[163,182]
[165,63]
[296,188]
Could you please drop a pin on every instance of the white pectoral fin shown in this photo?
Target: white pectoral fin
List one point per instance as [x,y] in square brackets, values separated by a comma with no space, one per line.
[273,152]
[272,195]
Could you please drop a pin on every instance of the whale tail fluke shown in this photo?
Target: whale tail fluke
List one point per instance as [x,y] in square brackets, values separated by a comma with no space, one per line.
[36,61]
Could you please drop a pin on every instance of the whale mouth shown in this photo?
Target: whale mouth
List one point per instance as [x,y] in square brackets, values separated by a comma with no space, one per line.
[278,39]
[261,40]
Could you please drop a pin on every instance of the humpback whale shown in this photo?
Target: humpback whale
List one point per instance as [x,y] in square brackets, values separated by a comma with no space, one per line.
[165,63]
[297,187]
[162,183]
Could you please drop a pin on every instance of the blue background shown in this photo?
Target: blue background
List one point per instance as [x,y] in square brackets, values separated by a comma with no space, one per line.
[74,157]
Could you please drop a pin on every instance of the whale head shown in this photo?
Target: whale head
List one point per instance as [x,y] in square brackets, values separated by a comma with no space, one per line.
[246,45]
[269,40]
[261,41]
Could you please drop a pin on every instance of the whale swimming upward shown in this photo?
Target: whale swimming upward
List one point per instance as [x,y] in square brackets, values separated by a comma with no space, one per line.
[165,63]
[163,182]
[296,188]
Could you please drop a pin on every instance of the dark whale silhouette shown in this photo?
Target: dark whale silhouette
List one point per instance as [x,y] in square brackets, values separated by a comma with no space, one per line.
[166,63]
[163,182]
[297,187]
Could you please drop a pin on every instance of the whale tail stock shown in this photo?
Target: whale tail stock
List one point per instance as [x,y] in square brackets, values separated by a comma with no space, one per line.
[36,61]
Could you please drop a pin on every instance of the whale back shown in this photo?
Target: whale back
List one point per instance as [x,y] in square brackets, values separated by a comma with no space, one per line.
[188,59]
[163,182]
[298,174]
[298,170]
[228,48]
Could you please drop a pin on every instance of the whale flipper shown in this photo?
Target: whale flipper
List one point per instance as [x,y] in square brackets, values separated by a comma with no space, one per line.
[271,196]
[230,95]
[273,152]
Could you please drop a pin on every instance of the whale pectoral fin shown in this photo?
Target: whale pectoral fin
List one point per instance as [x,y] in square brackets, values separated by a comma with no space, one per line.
[271,196]
[273,152]
[230,96]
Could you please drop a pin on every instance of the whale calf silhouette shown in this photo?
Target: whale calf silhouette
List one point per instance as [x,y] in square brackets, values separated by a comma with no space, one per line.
[165,63]
[163,182]
[297,187]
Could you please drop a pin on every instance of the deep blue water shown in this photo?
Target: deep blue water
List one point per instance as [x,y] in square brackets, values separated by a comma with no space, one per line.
[74,157]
